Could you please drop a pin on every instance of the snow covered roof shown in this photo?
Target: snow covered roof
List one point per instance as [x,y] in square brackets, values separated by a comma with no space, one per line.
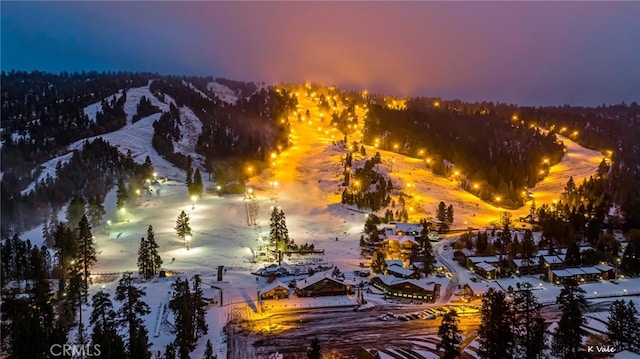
[402,239]
[400,270]
[590,270]
[519,262]
[272,286]
[390,280]
[553,259]
[575,271]
[562,273]
[301,284]
[485,266]
[488,259]
[393,262]
[546,252]
[480,287]
[603,267]
[467,252]
[395,227]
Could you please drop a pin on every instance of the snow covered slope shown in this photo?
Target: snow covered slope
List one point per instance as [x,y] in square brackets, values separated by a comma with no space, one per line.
[136,137]
[223,92]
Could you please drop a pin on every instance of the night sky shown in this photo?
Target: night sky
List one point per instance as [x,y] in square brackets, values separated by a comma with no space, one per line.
[543,53]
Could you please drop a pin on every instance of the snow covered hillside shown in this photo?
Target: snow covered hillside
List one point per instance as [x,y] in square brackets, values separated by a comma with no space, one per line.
[223,92]
[308,175]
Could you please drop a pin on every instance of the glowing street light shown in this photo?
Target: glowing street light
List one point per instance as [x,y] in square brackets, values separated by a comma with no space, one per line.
[108,225]
[193,201]
[409,185]
[155,176]
[475,186]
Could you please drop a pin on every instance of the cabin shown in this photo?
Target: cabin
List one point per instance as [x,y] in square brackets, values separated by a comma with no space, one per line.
[473,260]
[402,272]
[399,228]
[400,245]
[273,270]
[473,290]
[486,270]
[526,266]
[461,255]
[606,271]
[407,288]
[321,284]
[275,290]
[552,261]
[579,274]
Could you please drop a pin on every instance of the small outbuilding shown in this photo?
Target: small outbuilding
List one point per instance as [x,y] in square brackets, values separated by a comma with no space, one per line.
[275,290]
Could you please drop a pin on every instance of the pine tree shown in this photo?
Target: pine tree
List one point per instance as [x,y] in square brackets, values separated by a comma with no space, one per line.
[428,259]
[105,332]
[631,257]
[572,258]
[532,212]
[66,245]
[623,326]
[528,247]
[181,304]
[170,351]
[378,264]
[208,352]
[495,334]
[528,325]
[441,216]
[86,253]
[450,215]
[96,211]
[314,350]
[199,309]
[130,316]
[143,258]
[188,180]
[154,262]
[567,340]
[29,324]
[75,210]
[122,195]
[198,187]
[183,229]
[450,338]
[278,234]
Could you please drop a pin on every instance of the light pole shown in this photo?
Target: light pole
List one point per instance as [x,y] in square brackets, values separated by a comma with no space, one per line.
[193,201]
[274,189]
[108,225]
[122,213]
[409,185]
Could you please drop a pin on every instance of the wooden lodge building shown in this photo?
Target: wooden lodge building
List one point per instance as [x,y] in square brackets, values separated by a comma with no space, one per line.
[407,288]
[321,284]
[275,290]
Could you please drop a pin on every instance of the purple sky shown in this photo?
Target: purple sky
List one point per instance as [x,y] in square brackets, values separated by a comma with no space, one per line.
[529,53]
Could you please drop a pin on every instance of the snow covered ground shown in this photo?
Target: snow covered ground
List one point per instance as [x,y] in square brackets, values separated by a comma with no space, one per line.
[308,191]
[223,92]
